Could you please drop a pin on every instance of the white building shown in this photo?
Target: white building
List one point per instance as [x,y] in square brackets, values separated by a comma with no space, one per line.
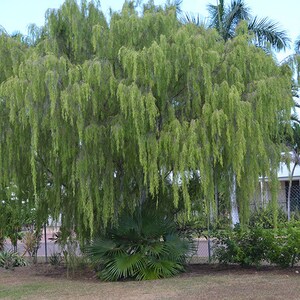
[263,195]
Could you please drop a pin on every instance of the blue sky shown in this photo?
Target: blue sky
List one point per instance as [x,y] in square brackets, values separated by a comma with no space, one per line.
[15,15]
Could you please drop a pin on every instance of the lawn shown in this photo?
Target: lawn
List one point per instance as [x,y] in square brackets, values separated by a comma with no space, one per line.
[200,282]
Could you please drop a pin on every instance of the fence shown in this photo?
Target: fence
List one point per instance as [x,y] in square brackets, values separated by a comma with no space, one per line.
[288,202]
[289,199]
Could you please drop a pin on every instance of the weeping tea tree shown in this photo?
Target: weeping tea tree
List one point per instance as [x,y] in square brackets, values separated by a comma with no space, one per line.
[98,116]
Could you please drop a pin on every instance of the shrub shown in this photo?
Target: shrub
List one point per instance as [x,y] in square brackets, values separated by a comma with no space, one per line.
[285,250]
[254,245]
[242,246]
[143,246]
[10,259]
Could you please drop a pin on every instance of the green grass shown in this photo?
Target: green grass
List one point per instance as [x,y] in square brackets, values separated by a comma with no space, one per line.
[24,291]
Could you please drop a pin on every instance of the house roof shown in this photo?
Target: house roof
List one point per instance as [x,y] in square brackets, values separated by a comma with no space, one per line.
[284,172]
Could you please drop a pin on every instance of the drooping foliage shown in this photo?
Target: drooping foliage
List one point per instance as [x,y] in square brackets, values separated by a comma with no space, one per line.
[99,116]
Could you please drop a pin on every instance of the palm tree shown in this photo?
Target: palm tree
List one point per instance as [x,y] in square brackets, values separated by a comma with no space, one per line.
[225,18]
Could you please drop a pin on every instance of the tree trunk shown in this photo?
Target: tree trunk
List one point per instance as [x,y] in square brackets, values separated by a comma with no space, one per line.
[234,207]
[289,192]
[214,208]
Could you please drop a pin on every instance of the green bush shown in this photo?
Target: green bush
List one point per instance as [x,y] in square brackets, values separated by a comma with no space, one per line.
[143,246]
[254,245]
[10,259]
[285,250]
[242,246]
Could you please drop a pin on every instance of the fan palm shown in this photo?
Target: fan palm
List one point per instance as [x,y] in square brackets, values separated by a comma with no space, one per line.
[143,246]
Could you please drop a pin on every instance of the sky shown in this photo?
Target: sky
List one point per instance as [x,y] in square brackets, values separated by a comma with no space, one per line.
[16,15]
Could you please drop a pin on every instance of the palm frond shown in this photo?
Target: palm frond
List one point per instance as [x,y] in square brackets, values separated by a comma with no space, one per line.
[165,268]
[239,11]
[216,15]
[101,248]
[3,30]
[295,118]
[155,249]
[123,266]
[268,31]
[155,227]
[236,12]
[191,18]
[297,45]
[177,5]
[177,248]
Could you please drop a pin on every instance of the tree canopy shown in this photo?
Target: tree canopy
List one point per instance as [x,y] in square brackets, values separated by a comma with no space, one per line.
[97,116]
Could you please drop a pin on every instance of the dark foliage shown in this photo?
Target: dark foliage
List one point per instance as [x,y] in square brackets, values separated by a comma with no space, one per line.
[144,245]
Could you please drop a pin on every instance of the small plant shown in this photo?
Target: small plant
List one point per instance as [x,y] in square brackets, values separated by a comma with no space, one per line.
[31,241]
[70,250]
[10,259]
[55,259]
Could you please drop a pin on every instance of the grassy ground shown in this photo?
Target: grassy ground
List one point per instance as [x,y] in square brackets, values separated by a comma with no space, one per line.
[201,282]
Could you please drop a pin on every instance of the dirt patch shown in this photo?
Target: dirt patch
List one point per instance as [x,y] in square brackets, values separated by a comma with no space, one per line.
[87,274]
[47,271]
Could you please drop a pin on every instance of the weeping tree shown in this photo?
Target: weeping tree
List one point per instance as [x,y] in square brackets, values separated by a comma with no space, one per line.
[264,32]
[98,116]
